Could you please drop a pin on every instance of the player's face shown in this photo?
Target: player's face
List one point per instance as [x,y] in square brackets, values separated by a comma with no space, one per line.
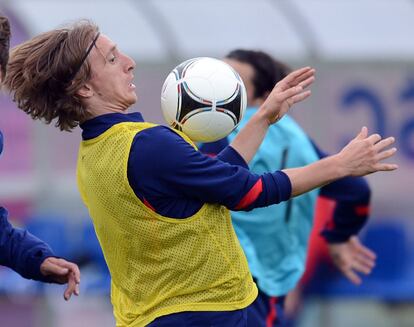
[112,75]
[246,73]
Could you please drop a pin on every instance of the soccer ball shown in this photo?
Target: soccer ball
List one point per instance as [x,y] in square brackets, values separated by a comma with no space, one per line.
[204,98]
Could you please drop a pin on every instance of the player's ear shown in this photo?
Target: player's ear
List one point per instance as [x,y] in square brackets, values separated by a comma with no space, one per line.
[85,91]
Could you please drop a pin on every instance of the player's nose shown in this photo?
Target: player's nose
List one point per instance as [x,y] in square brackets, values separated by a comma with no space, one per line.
[129,64]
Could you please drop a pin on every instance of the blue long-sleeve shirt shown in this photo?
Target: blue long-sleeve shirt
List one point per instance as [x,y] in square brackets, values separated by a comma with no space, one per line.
[20,250]
[173,179]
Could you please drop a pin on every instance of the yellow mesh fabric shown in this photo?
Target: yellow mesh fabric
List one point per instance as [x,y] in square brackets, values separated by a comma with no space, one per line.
[158,265]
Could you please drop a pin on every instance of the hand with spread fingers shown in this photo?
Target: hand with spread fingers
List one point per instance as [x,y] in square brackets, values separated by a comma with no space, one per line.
[365,153]
[351,258]
[62,272]
[284,95]
[361,156]
[287,92]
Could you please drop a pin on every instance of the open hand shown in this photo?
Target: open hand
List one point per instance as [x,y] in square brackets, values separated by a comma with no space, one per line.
[352,257]
[365,153]
[287,92]
[62,272]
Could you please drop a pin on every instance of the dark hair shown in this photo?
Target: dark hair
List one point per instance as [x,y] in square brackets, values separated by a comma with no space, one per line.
[4,43]
[45,73]
[267,70]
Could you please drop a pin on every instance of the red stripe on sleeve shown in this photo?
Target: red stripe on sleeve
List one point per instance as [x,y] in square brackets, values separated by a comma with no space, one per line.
[362,210]
[251,196]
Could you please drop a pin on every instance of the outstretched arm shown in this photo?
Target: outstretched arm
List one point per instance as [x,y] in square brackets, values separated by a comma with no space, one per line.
[362,156]
[33,258]
[286,93]
[20,250]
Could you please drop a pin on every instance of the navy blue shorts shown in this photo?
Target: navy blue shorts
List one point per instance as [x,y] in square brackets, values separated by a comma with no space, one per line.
[266,311]
[237,318]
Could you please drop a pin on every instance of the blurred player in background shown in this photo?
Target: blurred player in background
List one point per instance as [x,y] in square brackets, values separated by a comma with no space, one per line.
[275,238]
[19,250]
[159,206]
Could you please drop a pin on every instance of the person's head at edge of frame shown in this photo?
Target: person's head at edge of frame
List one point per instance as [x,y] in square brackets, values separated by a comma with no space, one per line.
[4,55]
[70,74]
[259,72]
[4,45]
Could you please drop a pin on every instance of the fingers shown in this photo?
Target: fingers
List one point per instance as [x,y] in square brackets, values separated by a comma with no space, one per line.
[352,276]
[300,97]
[73,279]
[385,167]
[53,269]
[362,134]
[70,267]
[74,269]
[363,250]
[354,266]
[386,154]
[295,77]
[294,94]
[368,253]
[286,94]
[72,287]
[352,258]
[304,78]
[382,144]
[362,265]
[307,82]
[376,151]
[62,271]
[374,138]
[301,77]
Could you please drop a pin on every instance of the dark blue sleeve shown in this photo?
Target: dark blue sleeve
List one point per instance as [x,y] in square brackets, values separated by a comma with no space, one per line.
[21,251]
[163,168]
[352,208]
[224,152]
[231,156]
[352,196]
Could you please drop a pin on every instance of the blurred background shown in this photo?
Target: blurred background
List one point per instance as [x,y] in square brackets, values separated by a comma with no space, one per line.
[363,51]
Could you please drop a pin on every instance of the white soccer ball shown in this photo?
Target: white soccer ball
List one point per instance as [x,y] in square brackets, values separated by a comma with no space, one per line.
[204,98]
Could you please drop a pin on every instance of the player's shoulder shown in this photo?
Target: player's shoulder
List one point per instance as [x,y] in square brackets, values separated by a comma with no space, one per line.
[158,133]
[160,139]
